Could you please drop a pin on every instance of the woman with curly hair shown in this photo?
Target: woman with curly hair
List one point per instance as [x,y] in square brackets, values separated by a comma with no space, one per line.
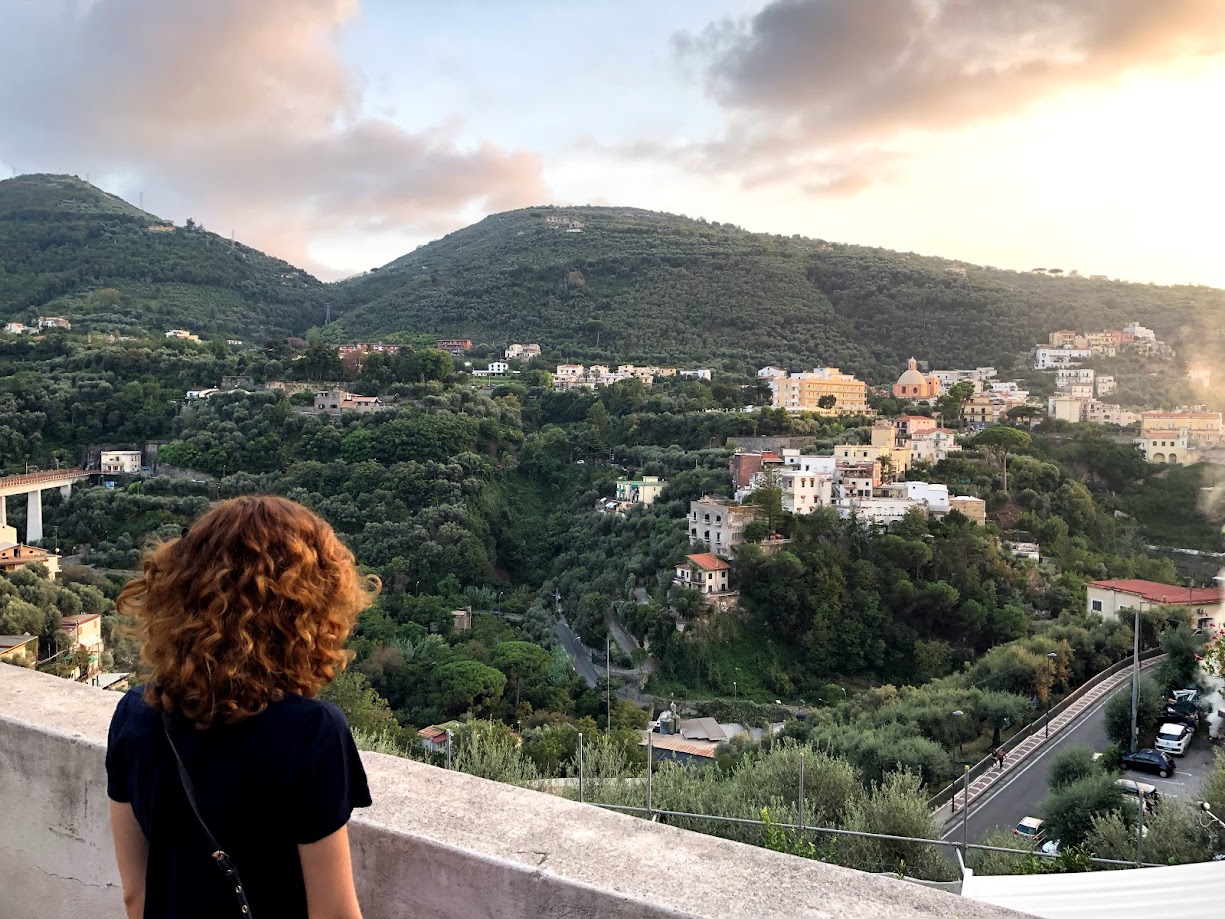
[231,784]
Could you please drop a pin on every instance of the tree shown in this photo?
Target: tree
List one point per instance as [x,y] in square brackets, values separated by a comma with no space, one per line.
[464,683]
[364,708]
[1118,713]
[828,401]
[1180,668]
[952,403]
[1071,765]
[521,660]
[1070,810]
[1000,441]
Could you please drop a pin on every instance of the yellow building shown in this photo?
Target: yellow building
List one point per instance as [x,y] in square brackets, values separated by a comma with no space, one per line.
[894,460]
[1203,429]
[1066,338]
[804,392]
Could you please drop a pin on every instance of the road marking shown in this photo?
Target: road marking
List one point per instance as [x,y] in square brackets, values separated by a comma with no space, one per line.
[1012,774]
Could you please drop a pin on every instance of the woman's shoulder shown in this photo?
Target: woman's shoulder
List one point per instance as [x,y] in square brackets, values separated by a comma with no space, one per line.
[307,713]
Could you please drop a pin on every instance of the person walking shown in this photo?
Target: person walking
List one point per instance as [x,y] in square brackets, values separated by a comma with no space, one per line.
[231,785]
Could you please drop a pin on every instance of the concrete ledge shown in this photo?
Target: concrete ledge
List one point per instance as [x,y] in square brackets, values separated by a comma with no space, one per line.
[436,843]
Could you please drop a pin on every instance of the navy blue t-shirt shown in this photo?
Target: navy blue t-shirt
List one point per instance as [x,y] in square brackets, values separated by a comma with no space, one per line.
[289,775]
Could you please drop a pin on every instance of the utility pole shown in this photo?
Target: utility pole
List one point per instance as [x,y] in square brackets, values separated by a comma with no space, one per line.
[1135,678]
[608,682]
[557,601]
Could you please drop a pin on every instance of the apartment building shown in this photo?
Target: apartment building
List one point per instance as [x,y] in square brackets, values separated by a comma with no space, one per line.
[120,462]
[805,392]
[719,524]
[1203,428]
[933,445]
[1046,358]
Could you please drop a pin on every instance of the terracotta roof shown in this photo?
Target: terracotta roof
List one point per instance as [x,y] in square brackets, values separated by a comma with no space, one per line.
[707,561]
[678,744]
[432,733]
[1156,592]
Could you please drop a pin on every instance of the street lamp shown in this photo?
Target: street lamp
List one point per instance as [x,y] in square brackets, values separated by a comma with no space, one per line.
[1052,657]
[735,691]
[958,714]
[843,688]
[1207,809]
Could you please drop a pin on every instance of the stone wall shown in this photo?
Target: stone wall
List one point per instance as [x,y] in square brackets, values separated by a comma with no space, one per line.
[436,843]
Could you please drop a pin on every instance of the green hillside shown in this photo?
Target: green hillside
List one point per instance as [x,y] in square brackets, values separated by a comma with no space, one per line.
[641,286]
[68,248]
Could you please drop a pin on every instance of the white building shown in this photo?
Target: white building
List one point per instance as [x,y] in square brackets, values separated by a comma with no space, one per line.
[517,352]
[1109,598]
[17,328]
[705,573]
[876,510]
[932,495]
[495,369]
[202,393]
[53,322]
[805,492]
[1046,358]
[771,372]
[1139,332]
[950,378]
[719,525]
[1106,385]
[183,334]
[1065,376]
[700,373]
[120,462]
[934,445]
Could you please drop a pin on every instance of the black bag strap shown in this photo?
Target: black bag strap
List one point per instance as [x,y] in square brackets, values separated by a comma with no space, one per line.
[224,863]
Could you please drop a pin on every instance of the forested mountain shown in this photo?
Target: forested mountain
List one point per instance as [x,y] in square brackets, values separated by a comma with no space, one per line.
[68,248]
[588,283]
[640,286]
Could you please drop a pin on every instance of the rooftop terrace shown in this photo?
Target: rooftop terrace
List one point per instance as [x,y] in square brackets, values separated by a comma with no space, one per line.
[435,843]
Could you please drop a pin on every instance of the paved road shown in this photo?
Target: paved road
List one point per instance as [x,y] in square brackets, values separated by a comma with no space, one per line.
[579,656]
[1017,793]
[620,634]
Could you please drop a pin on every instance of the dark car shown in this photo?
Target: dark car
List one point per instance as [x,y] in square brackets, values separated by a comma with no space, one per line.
[1149,760]
[1179,715]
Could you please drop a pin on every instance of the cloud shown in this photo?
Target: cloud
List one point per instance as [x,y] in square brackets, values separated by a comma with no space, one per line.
[804,81]
[243,113]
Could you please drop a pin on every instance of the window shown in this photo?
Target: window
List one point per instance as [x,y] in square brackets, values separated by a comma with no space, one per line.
[710,576]
[1095,605]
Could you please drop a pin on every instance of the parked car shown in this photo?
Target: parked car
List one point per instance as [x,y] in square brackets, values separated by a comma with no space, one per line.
[1030,828]
[1149,760]
[1174,738]
[1149,793]
[1183,713]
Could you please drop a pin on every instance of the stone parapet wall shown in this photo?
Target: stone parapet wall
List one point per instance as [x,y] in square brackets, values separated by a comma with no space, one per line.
[436,843]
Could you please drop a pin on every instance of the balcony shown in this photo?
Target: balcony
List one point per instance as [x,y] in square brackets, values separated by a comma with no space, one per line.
[435,843]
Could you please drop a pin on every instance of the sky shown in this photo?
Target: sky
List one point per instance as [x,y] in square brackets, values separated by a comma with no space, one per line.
[339,134]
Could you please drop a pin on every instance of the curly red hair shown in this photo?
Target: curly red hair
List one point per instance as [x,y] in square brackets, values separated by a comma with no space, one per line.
[254,601]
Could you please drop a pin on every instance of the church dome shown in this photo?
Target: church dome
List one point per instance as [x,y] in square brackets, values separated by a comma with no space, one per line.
[911,375]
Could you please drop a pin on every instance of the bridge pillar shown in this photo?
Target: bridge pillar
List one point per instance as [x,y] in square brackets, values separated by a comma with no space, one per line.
[66,491]
[4,511]
[34,516]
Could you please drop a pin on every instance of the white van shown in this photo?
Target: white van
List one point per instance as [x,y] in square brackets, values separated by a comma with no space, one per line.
[1174,738]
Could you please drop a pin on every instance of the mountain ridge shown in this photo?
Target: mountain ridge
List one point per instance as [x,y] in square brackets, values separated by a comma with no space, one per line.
[621,284]
[68,247]
[643,285]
